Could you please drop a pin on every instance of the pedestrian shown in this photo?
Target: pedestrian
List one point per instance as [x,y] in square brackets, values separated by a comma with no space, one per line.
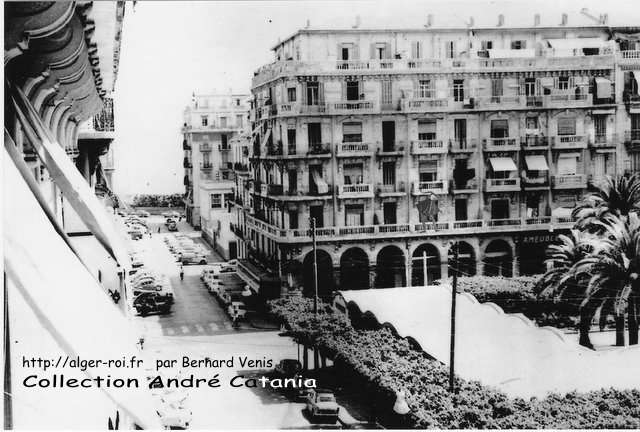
[158,230]
[141,342]
[181,272]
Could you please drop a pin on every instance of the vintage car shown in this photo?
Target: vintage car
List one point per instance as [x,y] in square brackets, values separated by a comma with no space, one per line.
[321,404]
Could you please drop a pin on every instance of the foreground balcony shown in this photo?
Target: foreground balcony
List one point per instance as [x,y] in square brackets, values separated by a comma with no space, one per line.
[575,181]
[425,105]
[502,185]
[534,183]
[390,190]
[409,230]
[360,190]
[501,144]
[534,142]
[468,145]
[603,140]
[435,146]
[569,142]
[354,149]
[430,187]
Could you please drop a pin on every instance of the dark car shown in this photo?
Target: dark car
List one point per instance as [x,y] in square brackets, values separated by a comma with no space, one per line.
[288,368]
[148,302]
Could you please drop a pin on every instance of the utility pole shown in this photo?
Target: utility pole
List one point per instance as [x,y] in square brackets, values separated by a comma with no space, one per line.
[454,290]
[315,267]
[424,267]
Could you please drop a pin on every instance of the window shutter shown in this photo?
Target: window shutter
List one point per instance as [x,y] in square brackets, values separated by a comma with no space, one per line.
[572,81]
[372,51]
[361,89]
[538,87]
[521,84]
[339,52]
[566,126]
[416,83]
[304,93]
[387,51]
[344,90]
[320,93]
[556,82]
[356,52]
[414,50]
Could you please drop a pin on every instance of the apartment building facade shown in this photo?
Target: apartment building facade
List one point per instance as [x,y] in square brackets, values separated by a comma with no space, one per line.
[403,143]
[211,122]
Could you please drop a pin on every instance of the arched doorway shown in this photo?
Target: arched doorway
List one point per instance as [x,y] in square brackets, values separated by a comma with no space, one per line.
[430,253]
[466,265]
[390,268]
[325,274]
[498,259]
[354,269]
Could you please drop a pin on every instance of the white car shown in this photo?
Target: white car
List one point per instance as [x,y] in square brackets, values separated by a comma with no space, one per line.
[237,309]
[171,417]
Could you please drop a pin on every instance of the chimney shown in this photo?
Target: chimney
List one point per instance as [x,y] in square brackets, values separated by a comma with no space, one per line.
[500,20]
[536,20]
[357,24]
[565,19]
[429,20]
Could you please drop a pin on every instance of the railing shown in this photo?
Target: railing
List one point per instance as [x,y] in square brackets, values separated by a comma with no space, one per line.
[501,144]
[428,146]
[224,147]
[425,104]
[538,220]
[468,145]
[498,185]
[352,149]
[467,224]
[568,141]
[103,121]
[464,187]
[351,106]
[630,54]
[425,187]
[577,181]
[390,188]
[319,149]
[355,190]
[603,140]
[535,181]
[205,147]
[274,189]
[534,141]
[205,166]
[514,101]
[503,222]
[291,149]
[631,135]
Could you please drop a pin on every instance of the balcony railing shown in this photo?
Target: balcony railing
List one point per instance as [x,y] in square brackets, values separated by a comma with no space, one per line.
[468,145]
[206,166]
[390,188]
[576,181]
[427,187]
[540,181]
[464,187]
[603,140]
[420,105]
[632,138]
[351,106]
[353,149]
[359,190]
[502,185]
[428,146]
[504,222]
[568,142]
[534,141]
[630,54]
[103,121]
[319,149]
[275,189]
[501,144]
[205,147]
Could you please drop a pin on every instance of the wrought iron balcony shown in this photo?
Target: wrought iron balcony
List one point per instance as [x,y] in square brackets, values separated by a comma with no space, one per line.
[502,185]
[569,142]
[575,181]
[429,187]
[501,144]
[358,190]
[353,149]
[428,146]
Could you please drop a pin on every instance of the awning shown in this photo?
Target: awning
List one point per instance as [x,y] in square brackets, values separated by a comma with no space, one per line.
[66,300]
[322,186]
[546,82]
[603,88]
[74,187]
[503,164]
[576,43]
[511,53]
[536,163]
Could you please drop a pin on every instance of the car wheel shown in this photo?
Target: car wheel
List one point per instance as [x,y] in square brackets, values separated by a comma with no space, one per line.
[203,262]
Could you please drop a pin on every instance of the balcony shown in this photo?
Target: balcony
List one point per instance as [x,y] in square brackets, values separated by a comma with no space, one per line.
[185,145]
[502,185]
[463,146]
[224,147]
[360,190]
[534,142]
[186,163]
[569,142]
[430,187]
[603,140]
[501,144]
[206,166]
[575,181]
[289,108]
[504,222]
[351,107]
[205,147]
[353,149]
[533,101]
[632,139]
[275,190]
[425,105]
[534,183]
[319,150]
[434,146]
[629,57]
[501,102]
[568,100]
[469,186]
[389,190]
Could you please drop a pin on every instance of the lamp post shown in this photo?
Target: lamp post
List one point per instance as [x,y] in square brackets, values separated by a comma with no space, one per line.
[315,267]
[454,289]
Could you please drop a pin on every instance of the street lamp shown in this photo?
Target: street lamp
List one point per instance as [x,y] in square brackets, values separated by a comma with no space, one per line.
[315,267]
[454,289]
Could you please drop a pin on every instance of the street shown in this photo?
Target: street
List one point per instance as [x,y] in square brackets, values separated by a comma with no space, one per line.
[198,327]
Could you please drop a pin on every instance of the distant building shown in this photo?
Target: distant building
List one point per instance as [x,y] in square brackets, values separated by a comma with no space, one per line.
[211,123]
[402,143]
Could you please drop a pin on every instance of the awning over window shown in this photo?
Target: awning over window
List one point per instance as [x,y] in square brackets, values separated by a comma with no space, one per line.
[351,128]
[74,187]
[503,164]
[603,88]
[576,43]
[536,163]
[322,186]
[66,299]
[511,53]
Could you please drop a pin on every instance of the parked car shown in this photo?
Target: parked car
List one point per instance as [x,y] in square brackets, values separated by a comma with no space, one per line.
[143,213]
[208,270]
[169,220]
[237,310]
[136,234]
[288,368]
[322,404]
[193,258]
[172,226]
[148,302]
[136,261]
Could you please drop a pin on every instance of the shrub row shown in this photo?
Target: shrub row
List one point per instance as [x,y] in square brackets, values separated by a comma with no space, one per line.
[383,363]
[156,200]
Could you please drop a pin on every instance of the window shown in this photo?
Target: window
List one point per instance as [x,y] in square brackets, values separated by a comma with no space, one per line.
[353,173]
[239,121]
[499,128]
[293,180]
[428,171]
[291,94]
[425,89]
[345,53]
[532,123]
[380,51]
[291,141]
[450,49]
[458,90]
[389,210]
[216,201]
[486,45]
[313,93]
[426,130]
[204,120]
[416,50]
[224,140]
[387,97]
[500,209]
[314,134]
[389,173]
[354,215]
[353,90]
[567,164]
[351,132]
[563,83]
[460,132]
[496,89]
[223,122]
[530,86]
[518,44]
[566,126]
[237,102]
[600,128]
[293,219]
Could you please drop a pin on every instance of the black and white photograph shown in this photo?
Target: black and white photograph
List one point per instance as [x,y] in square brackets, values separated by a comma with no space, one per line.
[321,214]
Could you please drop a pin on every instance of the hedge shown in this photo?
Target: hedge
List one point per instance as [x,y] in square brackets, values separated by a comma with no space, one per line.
[383,363]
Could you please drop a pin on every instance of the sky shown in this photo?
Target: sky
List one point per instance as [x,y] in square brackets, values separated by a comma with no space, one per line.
[172,49]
